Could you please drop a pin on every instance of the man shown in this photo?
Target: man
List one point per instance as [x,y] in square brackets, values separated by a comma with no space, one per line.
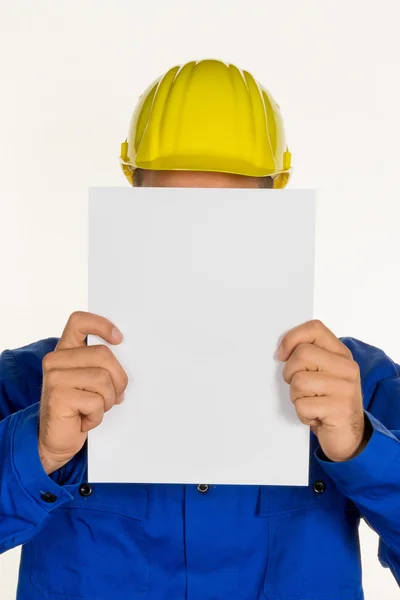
[206,124]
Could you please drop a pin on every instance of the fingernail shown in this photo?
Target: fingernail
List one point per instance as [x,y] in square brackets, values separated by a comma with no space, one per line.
[117,335]
[280,353]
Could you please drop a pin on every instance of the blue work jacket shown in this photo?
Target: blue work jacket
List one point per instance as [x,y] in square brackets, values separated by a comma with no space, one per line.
[188,542]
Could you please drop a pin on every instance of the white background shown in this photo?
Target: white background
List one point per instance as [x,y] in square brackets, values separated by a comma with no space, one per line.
[70,75]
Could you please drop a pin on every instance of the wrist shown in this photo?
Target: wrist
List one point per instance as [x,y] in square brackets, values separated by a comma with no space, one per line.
[367,432]
[355,449]
[50,463]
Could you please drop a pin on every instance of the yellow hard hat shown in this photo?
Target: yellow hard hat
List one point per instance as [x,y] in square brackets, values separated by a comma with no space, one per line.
[207,116]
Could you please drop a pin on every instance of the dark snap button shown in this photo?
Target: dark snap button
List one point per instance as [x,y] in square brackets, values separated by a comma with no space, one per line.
[48,497]
[203,488]
[85,490]
[319,487]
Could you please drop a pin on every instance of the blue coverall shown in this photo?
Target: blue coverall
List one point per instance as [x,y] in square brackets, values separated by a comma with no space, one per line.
[184,542]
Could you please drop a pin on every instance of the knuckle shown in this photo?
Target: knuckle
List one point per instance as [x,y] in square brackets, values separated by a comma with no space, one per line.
[303,351]
[94,422]
[125,380]
[303,419]
[96,406]
[286,374]
[102,351]
[121,384]
[299,406]
[75,317]
[317,324]
[99,419]
[306,407]
[52,379]
[98,414]
[348,352]
[298,379]
[109,405]
[354,369]
[47,361]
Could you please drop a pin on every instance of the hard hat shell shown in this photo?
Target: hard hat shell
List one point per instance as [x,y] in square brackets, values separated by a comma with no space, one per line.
[208,115]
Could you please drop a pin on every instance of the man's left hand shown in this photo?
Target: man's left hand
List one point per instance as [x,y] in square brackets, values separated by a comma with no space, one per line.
[325,388]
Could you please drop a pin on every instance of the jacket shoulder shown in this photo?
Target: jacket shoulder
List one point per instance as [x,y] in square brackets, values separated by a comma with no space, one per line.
[21,375]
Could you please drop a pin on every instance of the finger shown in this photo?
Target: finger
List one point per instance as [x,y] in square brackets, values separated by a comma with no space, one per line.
[309,357]
[92,379]
[317,410]
[91,407]
[82,324]
[312,332]
[310,410]
[320,397]
[91,422]
[309,384]
[88,357]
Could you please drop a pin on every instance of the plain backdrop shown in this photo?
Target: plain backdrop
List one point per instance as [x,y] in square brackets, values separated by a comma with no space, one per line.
[70,75]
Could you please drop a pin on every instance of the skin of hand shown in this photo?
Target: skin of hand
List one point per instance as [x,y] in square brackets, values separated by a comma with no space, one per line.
[325,388]
[80,384]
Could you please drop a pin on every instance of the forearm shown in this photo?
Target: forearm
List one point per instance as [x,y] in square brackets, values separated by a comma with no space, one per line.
[372,481]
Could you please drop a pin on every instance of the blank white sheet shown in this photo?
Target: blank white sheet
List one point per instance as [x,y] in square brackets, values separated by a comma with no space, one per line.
[203,283]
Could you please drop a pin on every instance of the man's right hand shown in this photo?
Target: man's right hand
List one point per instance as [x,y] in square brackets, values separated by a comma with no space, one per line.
[80,384]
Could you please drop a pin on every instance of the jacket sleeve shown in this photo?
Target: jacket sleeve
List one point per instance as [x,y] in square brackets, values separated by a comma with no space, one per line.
[27,494]
[372,479]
